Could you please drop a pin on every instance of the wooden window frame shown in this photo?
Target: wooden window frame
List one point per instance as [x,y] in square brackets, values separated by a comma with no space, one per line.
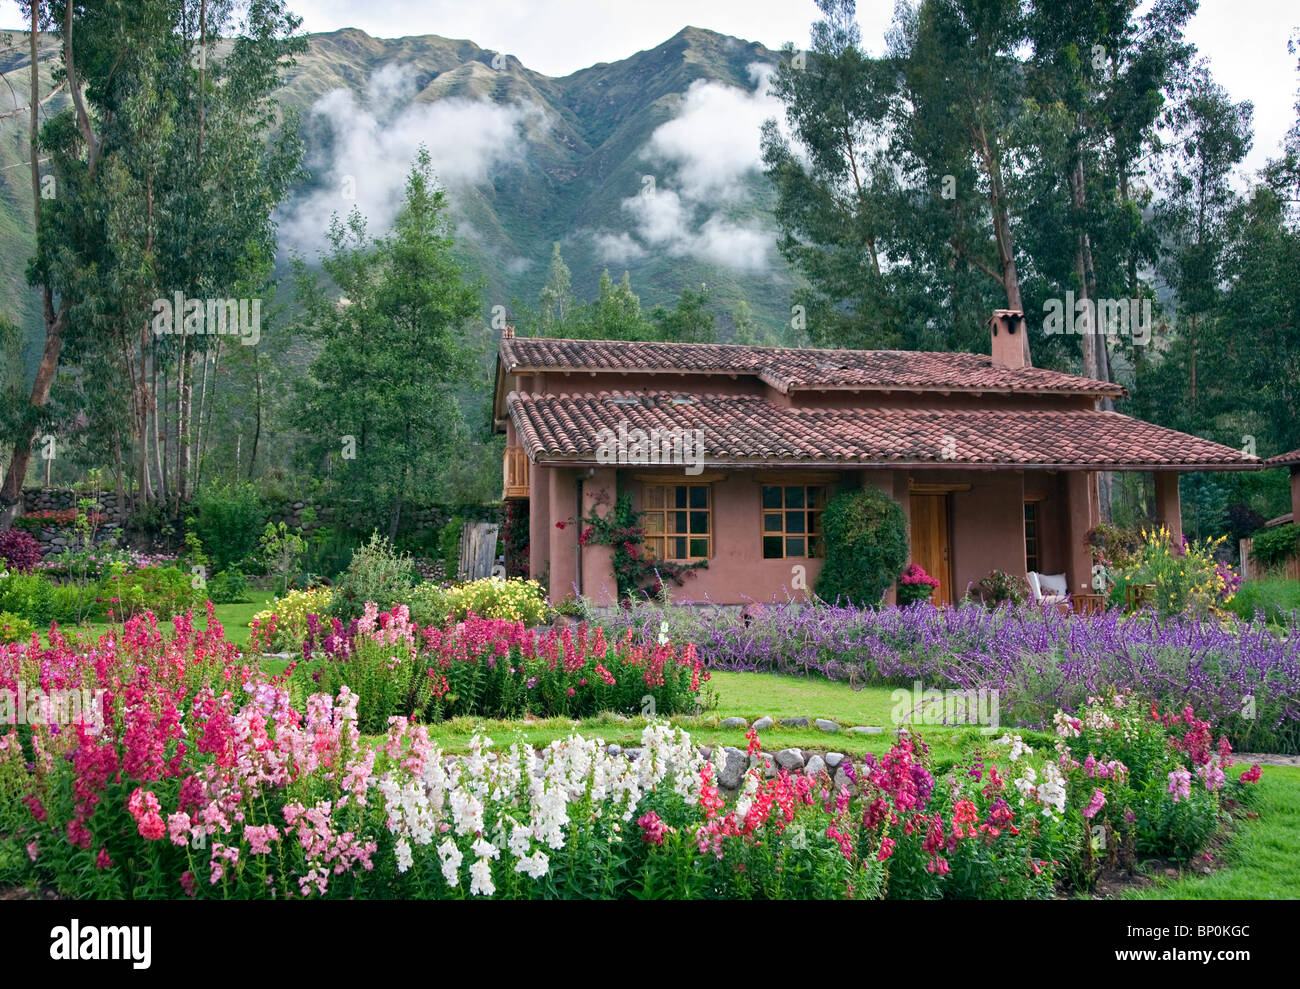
[1033,544]
[809,533]
[667,535]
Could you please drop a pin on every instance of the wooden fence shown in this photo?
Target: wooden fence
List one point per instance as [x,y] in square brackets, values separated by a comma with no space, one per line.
[1290,569]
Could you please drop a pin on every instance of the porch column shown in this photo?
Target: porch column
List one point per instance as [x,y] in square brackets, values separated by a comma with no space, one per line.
[1083,514]
[562,490]
[598,583]
[539,522]
[1168,509]
[1295,494]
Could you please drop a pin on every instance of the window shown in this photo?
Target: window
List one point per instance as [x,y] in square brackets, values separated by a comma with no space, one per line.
[678,521]
[792,521]
[1031,536]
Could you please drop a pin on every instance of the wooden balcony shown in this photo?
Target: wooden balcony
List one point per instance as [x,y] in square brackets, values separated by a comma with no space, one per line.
[514,470]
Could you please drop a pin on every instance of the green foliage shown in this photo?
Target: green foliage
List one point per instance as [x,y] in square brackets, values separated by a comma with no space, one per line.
[228,519]
[1272,547]
[513,600]
[29,595]
[449,546]
[379,405]
[866,547]
[281,550]
[427,603]
[997,587]
[376,573]
[620,527]
[230,586]
[14,628]
[165,591]
[1278,599]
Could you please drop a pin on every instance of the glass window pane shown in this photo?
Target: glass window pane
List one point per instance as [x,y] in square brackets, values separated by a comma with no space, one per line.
[814,521]
[679,549]
[653,497]
[815,546]
[679,496]
[814,497]
[794,547]
[794,497]
[655,547]
[679,522]
[771,521]
[699,496]
[699,522]
[699,549]
[772,548]
[771,497]
[654,522]
[794,521]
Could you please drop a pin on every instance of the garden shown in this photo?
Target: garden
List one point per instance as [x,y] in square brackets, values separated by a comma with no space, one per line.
[383,735]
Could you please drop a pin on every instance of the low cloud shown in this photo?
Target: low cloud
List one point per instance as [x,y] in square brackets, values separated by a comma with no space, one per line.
[373,138]
[700,165]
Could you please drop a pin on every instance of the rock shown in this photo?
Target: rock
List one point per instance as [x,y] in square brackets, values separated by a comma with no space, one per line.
[833,759]
[771,769]
[735,723]
[731,768]
[841,779]
[763,723]
[827,725]
[632,754]
[789,759]
[796,722]
[706,751]
[613,749]
[864,730]
[815,766]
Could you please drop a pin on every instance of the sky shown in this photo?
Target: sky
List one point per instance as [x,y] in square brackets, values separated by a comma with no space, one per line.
[1245,40]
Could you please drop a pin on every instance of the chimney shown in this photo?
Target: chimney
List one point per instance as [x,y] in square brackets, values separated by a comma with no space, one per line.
[507,332]
[1008,338]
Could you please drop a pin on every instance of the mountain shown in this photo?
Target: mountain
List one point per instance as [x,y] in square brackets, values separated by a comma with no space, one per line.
[648,164]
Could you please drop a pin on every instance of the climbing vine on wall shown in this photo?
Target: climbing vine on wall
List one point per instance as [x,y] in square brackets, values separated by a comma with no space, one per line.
[635,571]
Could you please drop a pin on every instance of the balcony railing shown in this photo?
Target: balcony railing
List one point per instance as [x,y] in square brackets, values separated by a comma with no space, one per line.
[514,470]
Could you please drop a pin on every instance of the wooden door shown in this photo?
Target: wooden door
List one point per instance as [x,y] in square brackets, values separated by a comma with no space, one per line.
[930,542]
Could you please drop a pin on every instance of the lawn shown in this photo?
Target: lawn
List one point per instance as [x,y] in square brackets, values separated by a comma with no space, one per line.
[233,617]
[1262,856]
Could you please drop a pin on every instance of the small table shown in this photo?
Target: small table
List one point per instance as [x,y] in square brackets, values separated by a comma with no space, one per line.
[1089,604]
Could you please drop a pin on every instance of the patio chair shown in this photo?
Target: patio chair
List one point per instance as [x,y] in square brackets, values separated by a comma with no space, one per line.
[1048,589]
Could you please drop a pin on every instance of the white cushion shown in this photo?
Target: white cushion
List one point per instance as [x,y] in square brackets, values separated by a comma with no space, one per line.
[1035,591]
[1053,585]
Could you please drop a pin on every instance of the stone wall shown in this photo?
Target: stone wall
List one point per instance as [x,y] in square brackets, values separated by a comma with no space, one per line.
[55,539]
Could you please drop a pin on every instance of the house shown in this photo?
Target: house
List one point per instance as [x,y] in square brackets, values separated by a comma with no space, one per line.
[729,452]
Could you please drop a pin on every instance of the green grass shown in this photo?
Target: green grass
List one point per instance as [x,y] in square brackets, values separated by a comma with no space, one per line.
[1262,856]
[1276,597]
[233,617]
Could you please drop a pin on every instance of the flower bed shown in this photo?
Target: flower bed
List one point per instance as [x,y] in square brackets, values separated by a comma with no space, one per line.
[205,780]
[492,668]
[1244,678]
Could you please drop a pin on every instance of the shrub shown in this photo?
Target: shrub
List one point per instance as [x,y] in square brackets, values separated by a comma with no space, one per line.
[376,573]
[229,520]
[228,587]
[866,546]
[28,595]
[1186,576]
[449,547]
[165,591]
[997,588]
[1269,547]
[18,551]
[428,604]
[915,585]
[494,597]
[14,628]
[282,625]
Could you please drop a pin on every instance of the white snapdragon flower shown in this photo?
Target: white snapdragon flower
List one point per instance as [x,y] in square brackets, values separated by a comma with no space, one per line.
[534,866]
[480,878]
[451,858]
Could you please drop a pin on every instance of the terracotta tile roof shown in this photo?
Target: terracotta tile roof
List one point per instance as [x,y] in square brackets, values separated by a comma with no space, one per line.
[792,369]
[750,429]
[1284,459]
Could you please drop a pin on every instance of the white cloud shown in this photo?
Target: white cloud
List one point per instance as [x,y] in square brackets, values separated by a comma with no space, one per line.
[374,139]
[701,163]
